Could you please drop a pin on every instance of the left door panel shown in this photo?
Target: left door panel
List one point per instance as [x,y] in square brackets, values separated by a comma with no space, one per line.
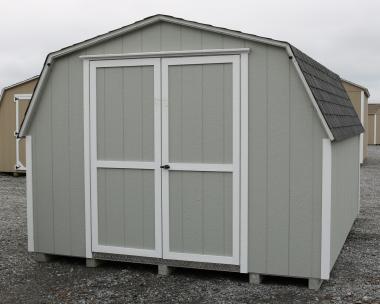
[125,139]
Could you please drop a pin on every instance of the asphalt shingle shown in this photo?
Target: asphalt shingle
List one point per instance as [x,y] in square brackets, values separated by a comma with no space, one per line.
[331,97]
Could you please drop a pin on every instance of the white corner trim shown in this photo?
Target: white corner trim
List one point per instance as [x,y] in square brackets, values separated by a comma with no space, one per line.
[360,148]
[16,99]
[29,194]
[361,152]
[375,129]
[311,96]
[326,208]
[244,164]
[86,160]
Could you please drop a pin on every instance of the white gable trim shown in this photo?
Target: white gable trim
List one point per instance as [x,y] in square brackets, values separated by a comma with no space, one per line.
[149,21]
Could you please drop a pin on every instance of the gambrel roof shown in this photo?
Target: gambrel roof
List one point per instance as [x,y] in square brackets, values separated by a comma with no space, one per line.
[324,87]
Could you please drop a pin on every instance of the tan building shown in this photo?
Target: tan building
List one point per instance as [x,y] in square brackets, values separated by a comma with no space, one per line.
[359,97]
[14,101]
[374,124]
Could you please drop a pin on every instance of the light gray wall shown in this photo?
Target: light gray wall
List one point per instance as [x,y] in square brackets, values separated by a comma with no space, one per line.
[345,192]
[285,159]
[284,149]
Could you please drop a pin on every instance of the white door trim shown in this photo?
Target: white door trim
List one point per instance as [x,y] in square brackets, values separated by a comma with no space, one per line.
[95,163]
[234,167]
[17,98]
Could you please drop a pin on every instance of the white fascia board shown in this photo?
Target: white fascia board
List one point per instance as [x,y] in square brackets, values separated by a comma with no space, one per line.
[311,96]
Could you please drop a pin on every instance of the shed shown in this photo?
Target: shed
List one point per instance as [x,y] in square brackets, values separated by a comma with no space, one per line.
[359,97]
[374,123]
[177,143]
[14,100]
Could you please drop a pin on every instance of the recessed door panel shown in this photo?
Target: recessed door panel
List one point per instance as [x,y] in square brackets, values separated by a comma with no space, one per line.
[200,216]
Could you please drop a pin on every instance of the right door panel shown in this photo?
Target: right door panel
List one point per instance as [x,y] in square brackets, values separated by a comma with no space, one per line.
[200,190]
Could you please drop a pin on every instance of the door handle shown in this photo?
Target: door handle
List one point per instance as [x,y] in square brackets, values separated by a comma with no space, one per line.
[165,167]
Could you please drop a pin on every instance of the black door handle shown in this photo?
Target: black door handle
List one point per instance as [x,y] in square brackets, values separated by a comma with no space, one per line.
[165,167]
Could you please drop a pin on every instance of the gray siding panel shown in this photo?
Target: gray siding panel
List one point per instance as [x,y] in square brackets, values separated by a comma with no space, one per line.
[60,158]
[279,189]
[278,162]
[42,176]
[75,148]
[285,145]
[345,192]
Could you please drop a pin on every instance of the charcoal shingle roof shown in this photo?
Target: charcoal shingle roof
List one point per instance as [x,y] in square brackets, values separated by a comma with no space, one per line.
[331,97]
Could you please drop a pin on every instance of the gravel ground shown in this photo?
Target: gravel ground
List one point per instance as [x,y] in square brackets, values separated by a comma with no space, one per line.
[354,279]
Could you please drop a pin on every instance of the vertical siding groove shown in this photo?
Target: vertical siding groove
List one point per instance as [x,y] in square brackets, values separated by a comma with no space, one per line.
[291,161]
[52,164]
[123,147]
[69,150]
[202,158]
[267,158]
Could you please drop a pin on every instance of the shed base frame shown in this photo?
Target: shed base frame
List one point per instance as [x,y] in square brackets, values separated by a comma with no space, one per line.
[164,262]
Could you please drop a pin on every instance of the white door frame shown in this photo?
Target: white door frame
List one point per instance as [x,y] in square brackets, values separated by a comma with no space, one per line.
[243,53]
[234,168]
[17,98]
[95,163]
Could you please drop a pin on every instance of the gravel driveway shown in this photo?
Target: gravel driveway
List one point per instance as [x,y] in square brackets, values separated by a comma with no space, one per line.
[354,279]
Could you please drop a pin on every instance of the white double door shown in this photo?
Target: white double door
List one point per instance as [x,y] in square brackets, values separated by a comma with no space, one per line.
[164,139]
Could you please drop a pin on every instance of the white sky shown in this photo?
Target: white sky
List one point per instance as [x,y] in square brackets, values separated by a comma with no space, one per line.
[344,35]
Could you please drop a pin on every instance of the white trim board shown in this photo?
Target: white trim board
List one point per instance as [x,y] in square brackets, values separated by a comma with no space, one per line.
[326,208]
[162,54]
[244,119]
[16,99]
[361,152]
[86,154]
[149,21]
[375,129]
[29,194]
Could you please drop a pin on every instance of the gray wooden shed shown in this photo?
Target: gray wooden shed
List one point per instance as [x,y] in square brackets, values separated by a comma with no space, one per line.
[183,144]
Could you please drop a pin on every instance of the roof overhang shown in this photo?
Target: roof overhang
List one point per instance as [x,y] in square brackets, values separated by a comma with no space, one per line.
[149,21]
